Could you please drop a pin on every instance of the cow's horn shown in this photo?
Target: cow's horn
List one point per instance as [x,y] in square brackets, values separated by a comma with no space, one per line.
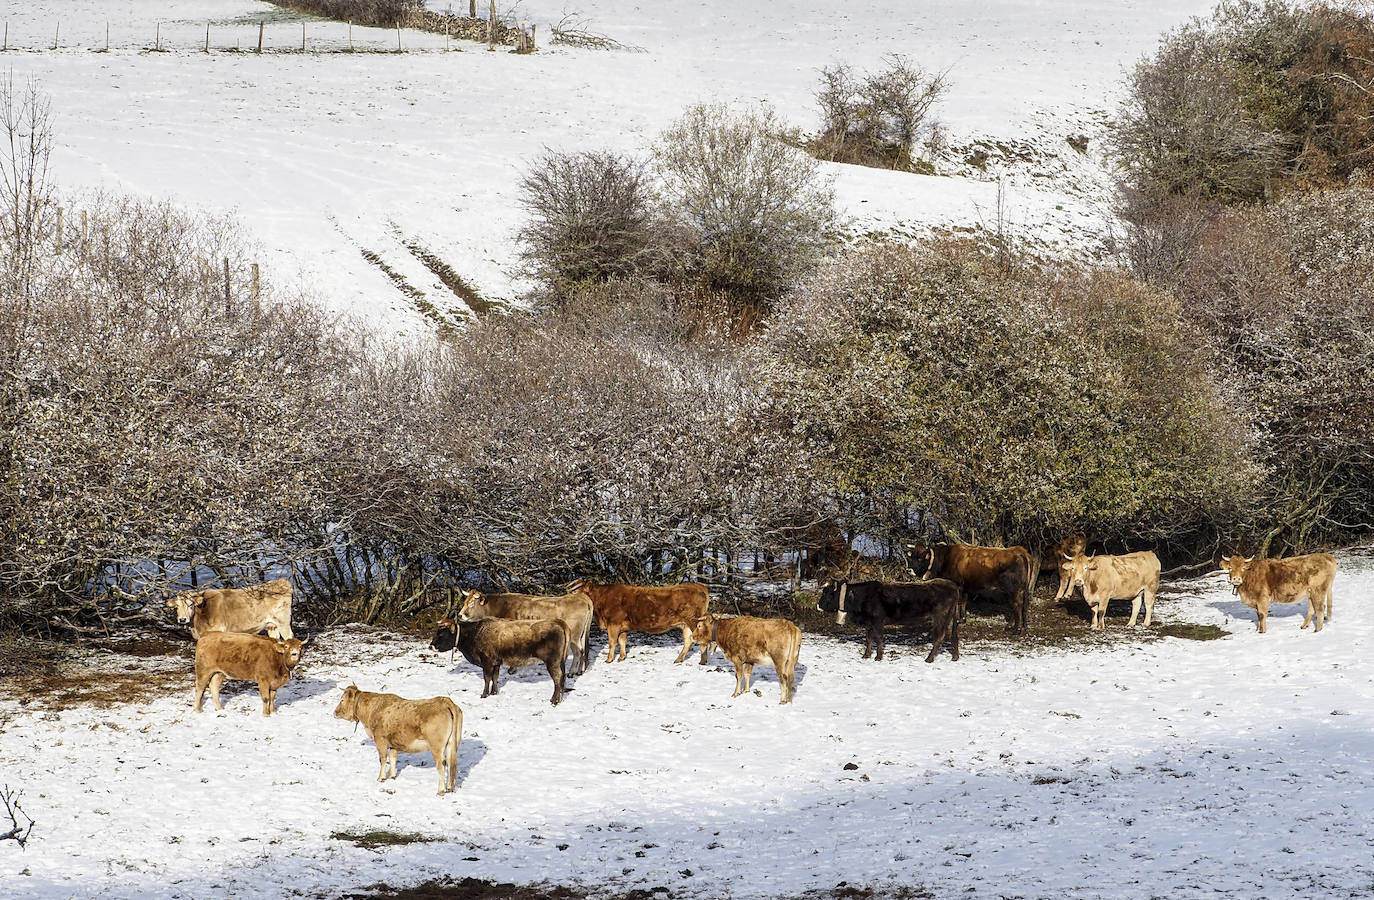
[1249,559]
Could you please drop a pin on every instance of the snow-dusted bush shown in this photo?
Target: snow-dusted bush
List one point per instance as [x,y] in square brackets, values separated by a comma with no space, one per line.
[1004,406]
[365,12]
[593,218]
[1286,295]
[761,210]
[878,120]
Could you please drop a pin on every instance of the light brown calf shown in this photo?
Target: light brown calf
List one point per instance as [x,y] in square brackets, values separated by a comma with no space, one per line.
[250,657]
[1106,578]
[747,641]
[396,724]
[1260,582]
[248,610]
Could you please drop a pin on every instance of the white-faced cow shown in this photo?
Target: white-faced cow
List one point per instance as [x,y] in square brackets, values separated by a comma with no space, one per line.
[747,641]
[1260,582]
[873,605]
[251,657]
[408,726]
[622,608]
[248,610]
[1133,576]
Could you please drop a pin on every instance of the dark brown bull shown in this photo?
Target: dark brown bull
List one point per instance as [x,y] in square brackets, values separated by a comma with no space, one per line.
[1005,574]
[874,605]
[491,643]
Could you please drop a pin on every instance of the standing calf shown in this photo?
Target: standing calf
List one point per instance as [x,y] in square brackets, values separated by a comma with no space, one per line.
[251,657]
[1260,582]
[747,641]
[408,726]
[492,643]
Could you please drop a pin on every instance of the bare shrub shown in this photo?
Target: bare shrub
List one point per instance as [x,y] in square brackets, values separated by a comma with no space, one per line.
[761,210]
[26,196]
[880,119]
[389,13]
[593,217]
[18,831]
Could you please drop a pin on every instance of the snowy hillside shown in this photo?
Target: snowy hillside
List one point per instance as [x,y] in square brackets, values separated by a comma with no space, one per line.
[325,155]
[1122,768]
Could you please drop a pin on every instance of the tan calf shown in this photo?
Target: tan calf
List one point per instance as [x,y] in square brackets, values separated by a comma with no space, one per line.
[396,724]
[250,657]
[747,641]
[1106,578]
[1260,582]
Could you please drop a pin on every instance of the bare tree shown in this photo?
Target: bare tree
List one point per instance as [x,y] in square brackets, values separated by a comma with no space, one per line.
[25,194]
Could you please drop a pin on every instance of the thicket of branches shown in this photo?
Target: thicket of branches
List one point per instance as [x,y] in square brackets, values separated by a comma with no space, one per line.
[881,119]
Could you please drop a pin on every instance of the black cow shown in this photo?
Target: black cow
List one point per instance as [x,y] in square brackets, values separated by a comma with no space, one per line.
[492,643]
[874,604]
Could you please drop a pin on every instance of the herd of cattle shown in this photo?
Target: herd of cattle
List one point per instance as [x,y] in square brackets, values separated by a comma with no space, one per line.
[495,630]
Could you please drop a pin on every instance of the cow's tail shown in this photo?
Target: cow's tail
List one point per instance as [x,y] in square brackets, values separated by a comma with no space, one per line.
[455,737]
[1032,575]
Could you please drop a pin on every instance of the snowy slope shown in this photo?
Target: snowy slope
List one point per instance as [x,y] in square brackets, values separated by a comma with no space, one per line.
[1126,768]
[326,154]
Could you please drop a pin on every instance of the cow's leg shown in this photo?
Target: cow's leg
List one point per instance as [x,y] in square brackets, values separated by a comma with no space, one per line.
[216,682]
[748,675]
[555,670]
[1261,614]
[1149,606]
[739,677]
[868,643]
[624,643]
[937,637]
[201,684]
[612,635]
[705,648]
[881,643]
[265,691]
[1316,609]
[391,761]
[1135,607]
[686,643]
[954,639]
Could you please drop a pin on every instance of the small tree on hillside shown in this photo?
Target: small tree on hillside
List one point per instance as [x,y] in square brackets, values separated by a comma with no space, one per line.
[880,119]
[760,208]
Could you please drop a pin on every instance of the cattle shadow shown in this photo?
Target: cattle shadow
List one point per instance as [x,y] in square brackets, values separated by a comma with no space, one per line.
[1238,610]
[295,689]
[471,751]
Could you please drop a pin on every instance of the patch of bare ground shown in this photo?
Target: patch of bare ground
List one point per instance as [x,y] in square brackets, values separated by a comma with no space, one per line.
[101,674]
[476,889]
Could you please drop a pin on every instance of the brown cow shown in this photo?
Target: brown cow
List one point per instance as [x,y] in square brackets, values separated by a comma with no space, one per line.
[1001,573]
[408,726]
[622,608]
[491,643]
[1106,578]
[250,657]
[574,610]
[747,641]
[1260,582]
[248,610]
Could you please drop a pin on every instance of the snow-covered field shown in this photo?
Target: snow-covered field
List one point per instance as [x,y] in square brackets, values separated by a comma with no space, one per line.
[1122,768]
[324,155]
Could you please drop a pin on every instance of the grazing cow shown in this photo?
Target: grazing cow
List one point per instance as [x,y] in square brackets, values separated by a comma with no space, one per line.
[248,610]
[396,724]
[574,610]
[491,643]
[875,604]
[1106,578]
[250,657]
[1260,582]
[1000,573]
[1058,556]
[747,641]
[622,608]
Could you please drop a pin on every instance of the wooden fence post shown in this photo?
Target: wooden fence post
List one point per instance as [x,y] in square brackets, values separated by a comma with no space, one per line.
[56,35]
[207,37]
[302,35]
[398,35]
[7,36]
[107,37]
[350,35]
[157,45]
[491,27]
[260,27]
[472,9]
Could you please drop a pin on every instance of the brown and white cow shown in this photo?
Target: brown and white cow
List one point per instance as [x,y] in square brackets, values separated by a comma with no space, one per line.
[1260,582]
[574,610]
[250,657]
[1000,573]
[747,641]
[1106,578]
[490,644]
[622,608]
[396,724]
[248,610]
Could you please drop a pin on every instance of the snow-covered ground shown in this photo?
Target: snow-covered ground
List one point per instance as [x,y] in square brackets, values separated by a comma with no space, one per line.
[1122,768]
[324,155]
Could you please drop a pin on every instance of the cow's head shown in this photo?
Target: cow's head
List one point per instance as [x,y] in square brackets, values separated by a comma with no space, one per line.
[1077,566]
[578,584]
[830,595]
[704,629]
[348,704]
[1236,568]
[290,650]
[186,603]
[917,559]
[446,637]
[474,607]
